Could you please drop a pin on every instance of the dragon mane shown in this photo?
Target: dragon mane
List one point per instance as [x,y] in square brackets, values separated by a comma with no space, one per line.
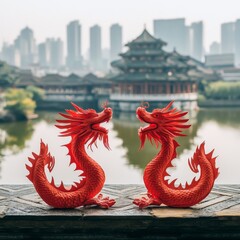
[76,123]
[170,124]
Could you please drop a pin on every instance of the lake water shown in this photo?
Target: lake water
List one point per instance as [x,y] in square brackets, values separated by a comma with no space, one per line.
[219,128]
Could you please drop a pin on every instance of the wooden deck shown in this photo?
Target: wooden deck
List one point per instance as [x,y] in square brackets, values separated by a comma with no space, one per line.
[24,216]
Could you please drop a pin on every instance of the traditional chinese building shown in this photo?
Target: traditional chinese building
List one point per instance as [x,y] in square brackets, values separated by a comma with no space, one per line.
[148,73]
[88,91]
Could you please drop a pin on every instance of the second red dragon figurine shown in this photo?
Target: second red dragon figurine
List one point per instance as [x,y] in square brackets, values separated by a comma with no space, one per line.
[164,125]
[83,126]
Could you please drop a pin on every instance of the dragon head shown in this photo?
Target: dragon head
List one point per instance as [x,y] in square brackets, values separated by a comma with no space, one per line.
[86,124]
[162,123]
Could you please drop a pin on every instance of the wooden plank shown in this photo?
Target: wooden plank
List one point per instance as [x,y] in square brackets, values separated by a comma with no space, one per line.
[211,202]
[24,215]
[165,212]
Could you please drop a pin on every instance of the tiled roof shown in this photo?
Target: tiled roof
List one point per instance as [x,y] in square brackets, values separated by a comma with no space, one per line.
[143,52]
[146,37]
[126,77]
[168,63]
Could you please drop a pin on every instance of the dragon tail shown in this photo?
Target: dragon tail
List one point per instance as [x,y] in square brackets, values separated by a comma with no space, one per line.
[199,156]
[48,160]
[36,157]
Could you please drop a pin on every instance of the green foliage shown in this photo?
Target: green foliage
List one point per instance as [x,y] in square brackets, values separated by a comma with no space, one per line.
[8,75]
[223,90]
[19,103]
[15,136]
[201,98]
[37,93]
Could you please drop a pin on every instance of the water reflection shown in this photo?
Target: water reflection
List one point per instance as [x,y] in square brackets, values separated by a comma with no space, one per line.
[224,117]
[13,136]
[218,127]
[125,163]
[126,125]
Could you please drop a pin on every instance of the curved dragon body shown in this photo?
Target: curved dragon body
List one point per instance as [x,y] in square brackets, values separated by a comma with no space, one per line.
[84,127]
[164,126]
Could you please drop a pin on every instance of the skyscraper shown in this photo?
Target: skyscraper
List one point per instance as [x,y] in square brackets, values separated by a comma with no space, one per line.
[11,55]
[44,54]
[26,45]
[115,41]
[95,47]
[197,40]
[173,31]
[228,37]
[237,41]
[74,53]
[56,53]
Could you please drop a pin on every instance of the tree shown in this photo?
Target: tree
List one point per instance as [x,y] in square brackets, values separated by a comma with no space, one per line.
[19,103]
[8,75]
[37,93]
[223,90]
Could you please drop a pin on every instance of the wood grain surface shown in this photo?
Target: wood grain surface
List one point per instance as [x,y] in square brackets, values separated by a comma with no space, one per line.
[23,215]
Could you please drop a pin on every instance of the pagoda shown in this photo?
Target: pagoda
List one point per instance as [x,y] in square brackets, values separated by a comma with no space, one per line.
[147,73]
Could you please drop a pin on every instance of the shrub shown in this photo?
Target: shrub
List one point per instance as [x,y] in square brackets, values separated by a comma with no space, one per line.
[223,90]
[19,103]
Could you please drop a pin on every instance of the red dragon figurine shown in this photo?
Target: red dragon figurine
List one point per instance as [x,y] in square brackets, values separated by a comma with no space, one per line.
[84,127]
[164,126]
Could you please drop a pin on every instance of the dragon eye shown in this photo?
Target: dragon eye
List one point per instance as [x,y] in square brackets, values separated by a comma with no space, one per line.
[156,115]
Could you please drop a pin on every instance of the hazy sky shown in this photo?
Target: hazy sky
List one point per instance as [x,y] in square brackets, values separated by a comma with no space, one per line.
[48,18]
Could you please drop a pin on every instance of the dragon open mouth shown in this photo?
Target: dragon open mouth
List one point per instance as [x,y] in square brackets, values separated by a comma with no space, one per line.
[97,127]
[148,127]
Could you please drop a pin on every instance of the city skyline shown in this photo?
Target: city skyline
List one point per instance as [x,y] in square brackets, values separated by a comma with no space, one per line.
[130,15]
[186,39]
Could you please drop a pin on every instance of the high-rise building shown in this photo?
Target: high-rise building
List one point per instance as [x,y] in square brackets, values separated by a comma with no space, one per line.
[115,41]
[10,55]
[95,47]
[26,45]
[44,54]
[173,31]
[237,41]
[74,53]
[215,48]
[197,40]
[228,37]
[56,53]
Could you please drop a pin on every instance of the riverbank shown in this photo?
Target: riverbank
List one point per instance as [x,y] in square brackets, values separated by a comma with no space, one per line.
[212,103]
[7,117]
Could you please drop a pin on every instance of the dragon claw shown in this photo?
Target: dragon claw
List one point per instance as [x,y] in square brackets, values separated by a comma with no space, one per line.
[102,202]
[145,202]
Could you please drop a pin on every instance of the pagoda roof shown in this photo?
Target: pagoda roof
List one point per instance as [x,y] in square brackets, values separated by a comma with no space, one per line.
[59,80]
[72,80]
[90,77]
[166,63]
[143,52]
[27,79]
[138,77]
[175,53]
[73,76]
[146,37]
[93,79]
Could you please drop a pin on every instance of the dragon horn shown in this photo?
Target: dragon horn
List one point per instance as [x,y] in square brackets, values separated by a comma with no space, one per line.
[145,104]
[77,107]
[105,104]
[168,106]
